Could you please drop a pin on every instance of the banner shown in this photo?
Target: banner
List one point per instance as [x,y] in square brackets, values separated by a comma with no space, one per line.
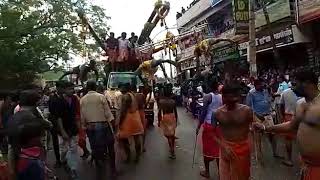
[263,41]
[277,9]
[188,64]
[224,53]
[241,16]
[308,10]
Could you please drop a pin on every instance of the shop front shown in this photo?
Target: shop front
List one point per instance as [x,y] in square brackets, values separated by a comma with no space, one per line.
[308,19]
[291,44]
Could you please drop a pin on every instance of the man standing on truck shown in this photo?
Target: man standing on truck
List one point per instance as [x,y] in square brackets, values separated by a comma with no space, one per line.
[112,45]
[123,52]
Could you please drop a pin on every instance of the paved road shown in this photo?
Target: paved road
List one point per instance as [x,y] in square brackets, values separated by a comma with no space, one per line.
[155,164]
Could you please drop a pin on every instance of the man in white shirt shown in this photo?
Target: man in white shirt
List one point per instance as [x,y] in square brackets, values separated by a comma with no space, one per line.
[288,104]
[123,51]
[97,119]
[283,85]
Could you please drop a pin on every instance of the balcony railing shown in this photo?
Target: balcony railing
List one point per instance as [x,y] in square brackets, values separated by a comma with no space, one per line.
[193,12]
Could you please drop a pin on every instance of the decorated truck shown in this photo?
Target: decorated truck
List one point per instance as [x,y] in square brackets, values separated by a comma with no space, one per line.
[115,80]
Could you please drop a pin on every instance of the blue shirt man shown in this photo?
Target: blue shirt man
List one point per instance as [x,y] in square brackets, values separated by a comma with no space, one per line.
[259,99]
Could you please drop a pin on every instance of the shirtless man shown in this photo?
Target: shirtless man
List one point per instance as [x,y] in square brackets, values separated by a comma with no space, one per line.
[234,120]
[306,124]
[130,126]
[167,118]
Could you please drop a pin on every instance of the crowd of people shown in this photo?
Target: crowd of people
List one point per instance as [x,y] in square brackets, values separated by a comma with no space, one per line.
[285,105]
[31,116]
[121,51]
[275,106]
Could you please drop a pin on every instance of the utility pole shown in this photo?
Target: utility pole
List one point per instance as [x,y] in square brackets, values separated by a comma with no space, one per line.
[252,50]
[276,54]
[171,74]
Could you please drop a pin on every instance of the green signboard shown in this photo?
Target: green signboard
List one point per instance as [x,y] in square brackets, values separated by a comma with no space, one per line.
[224,53]
[241,16]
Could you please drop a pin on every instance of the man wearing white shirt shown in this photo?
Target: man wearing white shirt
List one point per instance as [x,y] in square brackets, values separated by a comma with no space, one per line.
[123,50]
[283,85]
[288,104]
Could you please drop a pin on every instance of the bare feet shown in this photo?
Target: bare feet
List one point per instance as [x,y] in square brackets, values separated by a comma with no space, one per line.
[205,174]
[172,155]
[277,156]
[288,163]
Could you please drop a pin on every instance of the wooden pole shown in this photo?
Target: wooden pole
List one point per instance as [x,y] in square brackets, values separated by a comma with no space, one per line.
[276,54]
[252,54]
[171,73]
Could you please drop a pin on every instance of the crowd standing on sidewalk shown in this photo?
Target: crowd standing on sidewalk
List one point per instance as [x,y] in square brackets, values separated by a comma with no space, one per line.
[276,105]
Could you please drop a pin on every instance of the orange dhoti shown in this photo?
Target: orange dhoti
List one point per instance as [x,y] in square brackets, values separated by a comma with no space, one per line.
[238,168]
[289,135]
[123,55]
[209,144]
[311,169]
[143,118]
[113,55]
[131,125]
[168,124]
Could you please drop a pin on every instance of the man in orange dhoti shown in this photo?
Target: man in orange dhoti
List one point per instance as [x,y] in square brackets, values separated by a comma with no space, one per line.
[112,45]
[234,120]
[167,118]
[141,100]
[130,125]
[306,123]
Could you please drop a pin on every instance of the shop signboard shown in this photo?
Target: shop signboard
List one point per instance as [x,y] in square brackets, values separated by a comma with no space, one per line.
[308,10]
[224,53]
[277,9]
[187,64]
[241,16]
[263,40]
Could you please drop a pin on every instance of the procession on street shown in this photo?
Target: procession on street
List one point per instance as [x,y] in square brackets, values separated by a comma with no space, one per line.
[233,93]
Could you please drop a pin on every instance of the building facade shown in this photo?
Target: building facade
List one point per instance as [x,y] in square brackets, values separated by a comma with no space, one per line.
[294,24]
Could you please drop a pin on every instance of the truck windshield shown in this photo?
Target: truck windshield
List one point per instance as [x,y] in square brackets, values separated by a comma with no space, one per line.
[115,79]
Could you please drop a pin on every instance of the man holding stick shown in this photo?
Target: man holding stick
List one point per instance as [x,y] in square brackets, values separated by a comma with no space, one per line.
[234,120]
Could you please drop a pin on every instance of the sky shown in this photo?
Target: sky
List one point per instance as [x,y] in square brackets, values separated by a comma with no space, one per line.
[131,15]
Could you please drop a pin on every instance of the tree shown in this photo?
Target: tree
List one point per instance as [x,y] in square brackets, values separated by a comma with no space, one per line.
[38,35]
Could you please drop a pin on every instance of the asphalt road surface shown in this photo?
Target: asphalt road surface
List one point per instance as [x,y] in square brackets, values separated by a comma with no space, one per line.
[156,165]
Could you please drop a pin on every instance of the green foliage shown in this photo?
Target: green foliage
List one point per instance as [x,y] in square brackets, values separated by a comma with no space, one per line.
[38,35]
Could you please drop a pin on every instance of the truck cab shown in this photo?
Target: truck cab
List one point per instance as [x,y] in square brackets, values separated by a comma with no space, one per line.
[113,93]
